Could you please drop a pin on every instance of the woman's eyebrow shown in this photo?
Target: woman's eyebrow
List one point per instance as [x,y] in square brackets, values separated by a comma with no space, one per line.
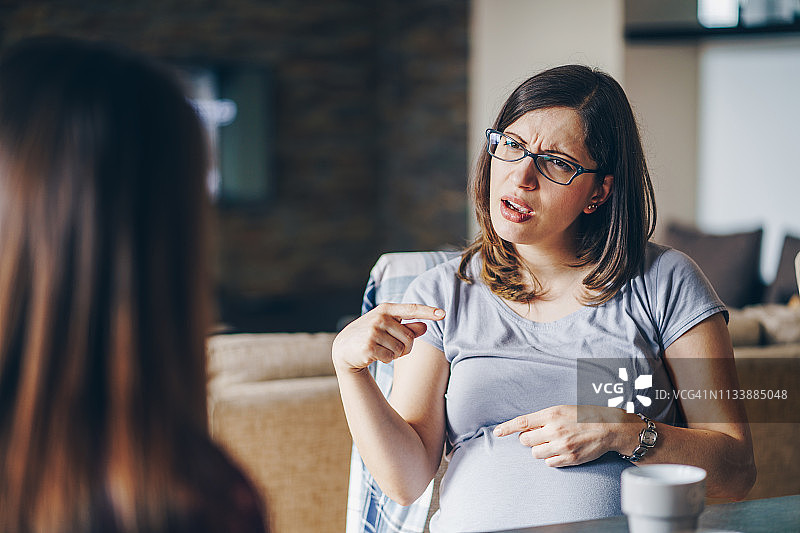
[558,151]
[555,149]
[516,136]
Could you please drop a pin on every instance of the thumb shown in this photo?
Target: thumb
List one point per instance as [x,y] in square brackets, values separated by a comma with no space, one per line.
[417,328]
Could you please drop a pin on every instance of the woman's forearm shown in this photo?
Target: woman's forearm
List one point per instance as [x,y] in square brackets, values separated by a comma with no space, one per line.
[402,457]
[727,459]
[391,449]
[702,358]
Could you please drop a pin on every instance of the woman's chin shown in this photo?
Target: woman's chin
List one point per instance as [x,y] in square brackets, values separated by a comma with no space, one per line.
[515,237]
[513,232]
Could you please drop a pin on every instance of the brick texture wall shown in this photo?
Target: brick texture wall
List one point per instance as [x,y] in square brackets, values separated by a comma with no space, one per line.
[377,92]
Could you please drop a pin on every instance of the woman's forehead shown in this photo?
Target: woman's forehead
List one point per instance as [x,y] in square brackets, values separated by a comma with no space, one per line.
[552,129]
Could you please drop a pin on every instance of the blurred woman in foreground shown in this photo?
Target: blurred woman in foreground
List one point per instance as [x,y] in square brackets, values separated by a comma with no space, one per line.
[103,301]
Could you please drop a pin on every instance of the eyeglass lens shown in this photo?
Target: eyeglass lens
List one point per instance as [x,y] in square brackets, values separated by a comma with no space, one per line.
[507,149]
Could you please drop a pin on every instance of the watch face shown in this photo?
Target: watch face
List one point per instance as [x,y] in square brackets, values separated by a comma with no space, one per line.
[649,437]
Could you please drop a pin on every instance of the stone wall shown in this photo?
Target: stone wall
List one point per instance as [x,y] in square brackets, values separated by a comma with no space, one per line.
[377,92]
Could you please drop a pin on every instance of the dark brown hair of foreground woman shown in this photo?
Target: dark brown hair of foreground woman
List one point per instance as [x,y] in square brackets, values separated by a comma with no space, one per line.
[103,301]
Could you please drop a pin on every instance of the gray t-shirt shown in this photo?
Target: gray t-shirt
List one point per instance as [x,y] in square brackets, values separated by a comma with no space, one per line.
[503,366]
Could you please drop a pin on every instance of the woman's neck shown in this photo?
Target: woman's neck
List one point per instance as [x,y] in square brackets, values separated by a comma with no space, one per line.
[554,259]
[553,267]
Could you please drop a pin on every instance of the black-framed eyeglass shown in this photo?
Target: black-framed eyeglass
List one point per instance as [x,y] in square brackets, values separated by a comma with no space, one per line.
[556,169]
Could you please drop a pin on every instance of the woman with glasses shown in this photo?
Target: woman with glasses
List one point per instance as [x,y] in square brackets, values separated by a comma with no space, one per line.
[104,301]
[544,359]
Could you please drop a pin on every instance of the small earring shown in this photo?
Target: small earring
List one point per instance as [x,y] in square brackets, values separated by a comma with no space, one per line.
[592,206]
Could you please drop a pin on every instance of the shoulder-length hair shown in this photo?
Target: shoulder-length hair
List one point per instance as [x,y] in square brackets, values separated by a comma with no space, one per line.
[103,293]
[614,237]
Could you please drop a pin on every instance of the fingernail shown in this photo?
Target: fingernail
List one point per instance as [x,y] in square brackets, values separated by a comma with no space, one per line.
[498,432]
[439,313]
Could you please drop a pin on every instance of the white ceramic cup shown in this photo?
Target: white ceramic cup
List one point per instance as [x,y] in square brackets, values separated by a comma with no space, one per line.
[663,498]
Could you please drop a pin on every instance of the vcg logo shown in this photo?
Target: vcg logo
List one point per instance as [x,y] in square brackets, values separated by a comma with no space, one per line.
[645,381]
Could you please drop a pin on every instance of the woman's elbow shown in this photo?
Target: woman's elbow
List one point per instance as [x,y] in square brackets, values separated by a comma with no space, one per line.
[404,496]
[746,471]
[745,478]
[405,486]
[406,490]
[737,478]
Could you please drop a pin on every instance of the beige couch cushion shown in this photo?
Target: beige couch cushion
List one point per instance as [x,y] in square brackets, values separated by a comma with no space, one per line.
[274,406]
[291,438]
[775,435]
[268,356]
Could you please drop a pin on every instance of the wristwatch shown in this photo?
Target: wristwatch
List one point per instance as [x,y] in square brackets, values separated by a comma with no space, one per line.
[647,439]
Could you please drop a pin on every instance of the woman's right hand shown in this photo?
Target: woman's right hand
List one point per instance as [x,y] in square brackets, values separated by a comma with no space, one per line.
[380,335]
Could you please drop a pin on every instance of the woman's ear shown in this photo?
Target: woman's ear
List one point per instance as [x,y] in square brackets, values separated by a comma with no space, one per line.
[601,195]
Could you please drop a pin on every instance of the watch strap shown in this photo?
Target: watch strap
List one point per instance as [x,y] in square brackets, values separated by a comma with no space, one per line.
[647,440]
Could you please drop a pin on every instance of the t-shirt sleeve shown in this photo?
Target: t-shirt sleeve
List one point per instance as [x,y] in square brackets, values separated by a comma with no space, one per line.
[684,296]
[429,289]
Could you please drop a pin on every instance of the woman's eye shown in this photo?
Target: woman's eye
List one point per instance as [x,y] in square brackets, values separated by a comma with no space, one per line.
[561,165]
[510,143]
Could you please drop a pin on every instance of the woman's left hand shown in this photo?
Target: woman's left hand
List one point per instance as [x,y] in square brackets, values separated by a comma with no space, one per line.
[555,434]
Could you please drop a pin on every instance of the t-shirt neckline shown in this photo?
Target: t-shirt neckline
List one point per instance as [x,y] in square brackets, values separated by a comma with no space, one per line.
[504,308]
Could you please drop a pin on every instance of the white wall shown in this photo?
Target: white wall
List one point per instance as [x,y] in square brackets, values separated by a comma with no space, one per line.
[511,40]
[661,83]
[749,140]
[701,107]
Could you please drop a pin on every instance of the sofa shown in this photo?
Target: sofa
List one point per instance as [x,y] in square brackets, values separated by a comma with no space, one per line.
[765,330]
[766,342]
[273,404]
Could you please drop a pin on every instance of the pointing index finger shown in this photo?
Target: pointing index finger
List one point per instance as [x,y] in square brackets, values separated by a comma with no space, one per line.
[516,425]
[413,311]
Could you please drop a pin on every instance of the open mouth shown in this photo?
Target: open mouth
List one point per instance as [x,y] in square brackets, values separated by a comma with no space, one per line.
[517,207]
[514,210]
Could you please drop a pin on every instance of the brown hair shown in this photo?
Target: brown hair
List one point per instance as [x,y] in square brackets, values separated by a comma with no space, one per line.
[103,296]
[614,237]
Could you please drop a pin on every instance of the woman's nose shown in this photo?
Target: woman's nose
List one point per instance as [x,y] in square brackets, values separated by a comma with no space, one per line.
[525,174]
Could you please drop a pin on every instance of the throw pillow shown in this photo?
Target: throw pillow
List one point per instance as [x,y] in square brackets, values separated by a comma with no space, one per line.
[729,261]
[780,324]
[785,284]
[744,328]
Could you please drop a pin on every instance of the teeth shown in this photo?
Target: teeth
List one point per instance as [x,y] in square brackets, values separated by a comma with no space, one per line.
[519,208]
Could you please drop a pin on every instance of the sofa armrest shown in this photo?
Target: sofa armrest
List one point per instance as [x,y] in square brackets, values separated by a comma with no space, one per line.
[773,423]
[250,357]
[274,406]
[290,436]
